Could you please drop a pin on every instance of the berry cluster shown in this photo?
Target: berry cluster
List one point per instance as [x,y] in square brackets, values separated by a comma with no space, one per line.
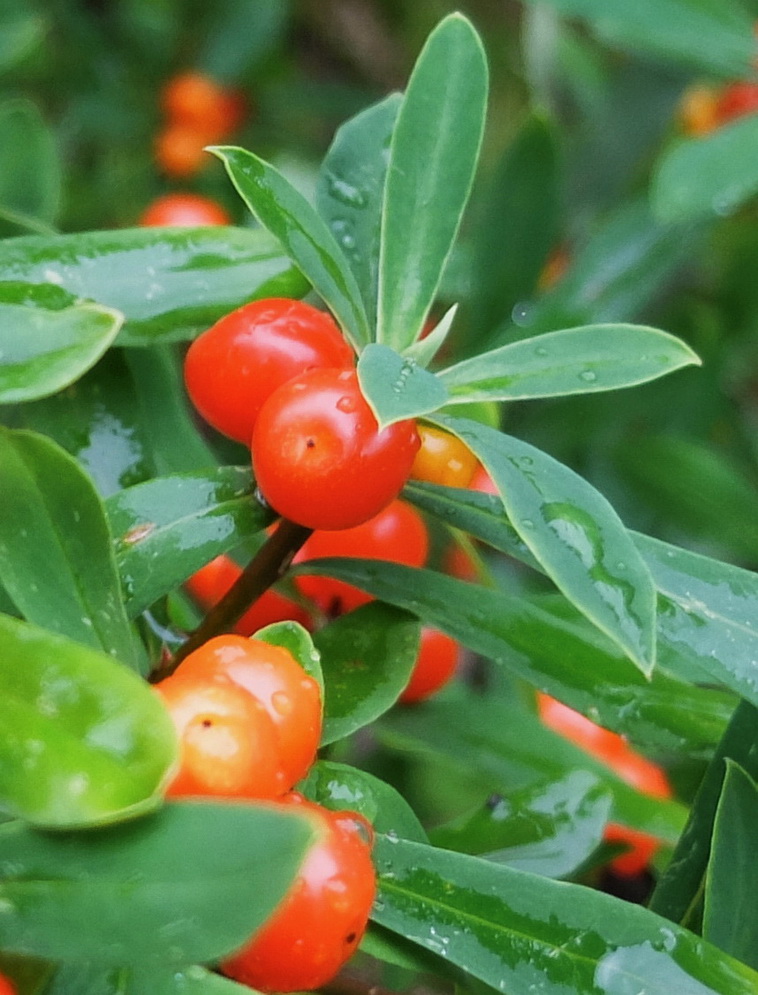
[636,770]
[248,718]
[198,112]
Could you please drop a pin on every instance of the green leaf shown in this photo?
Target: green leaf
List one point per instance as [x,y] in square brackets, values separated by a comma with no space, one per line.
[520,932]
[397,388]
[568,659]
[167,528]
[707,176]
[83,740]
[297,641]
[339,787]
[21,31]
[433,156]
[350,192]
[367,657]
[84,978]
[714,37]
[56,557]
[547,829]
[508,749]
[574,534]
[730,920]
[679,892]
[192,276]
[523,199]
[43,351]
[424,350]
[97,420]
[29,168]
[155,891]
[571,361]
[305,237]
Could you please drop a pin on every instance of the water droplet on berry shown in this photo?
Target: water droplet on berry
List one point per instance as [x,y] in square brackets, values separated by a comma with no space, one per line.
[282,703]
[346,404]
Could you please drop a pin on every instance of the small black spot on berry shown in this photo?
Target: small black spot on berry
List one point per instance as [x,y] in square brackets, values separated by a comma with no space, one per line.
[207,723]
[351,938]
[310,443]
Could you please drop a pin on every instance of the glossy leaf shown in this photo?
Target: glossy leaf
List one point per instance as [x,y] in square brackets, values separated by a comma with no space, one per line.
[192,276]
[350,191]
[522,199]
[84,978]
[82,739]
[21,31]
[56,557]
[167,528]
[580,360]
[707,176]
[425,349]
[297,641]
[433,155]
[97,420]
[575,535]
[158,890]
[519,932]
[29,169]
[42,351]
[340,787]
[508,749]
[309,243]
[730,920]
[397,387]
[367,657]
[548,829]
[715,37]
[679,892]
[569,660]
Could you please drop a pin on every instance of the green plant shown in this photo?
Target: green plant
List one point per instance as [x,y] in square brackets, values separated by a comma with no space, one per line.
[489,826]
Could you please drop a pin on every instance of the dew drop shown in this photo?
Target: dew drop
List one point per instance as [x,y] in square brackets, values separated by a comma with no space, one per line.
[540,351]
[521,314]
[282,703]
[346,405]
[588,376]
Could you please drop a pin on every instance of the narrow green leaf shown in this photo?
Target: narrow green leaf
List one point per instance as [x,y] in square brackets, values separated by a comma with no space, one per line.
[433,156]
[297,641]
[21,31]
[339,787]
[715,37]
[367,658]
[547,829]
[508,749]
[679,893]
[29,167]
[350,192]
[42,351]
[155,891]
[730,919]
[708,176]
[84,978]
[56,556]
[580,360]
[167,528]
[424,350]
[397,388]
[574,534]
[305,237]
[520,932]
[522,199]
[83,740]
[192,276]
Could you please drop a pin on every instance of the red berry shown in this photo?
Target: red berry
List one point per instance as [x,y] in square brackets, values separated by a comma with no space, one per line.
[193,99]
[6,986]
[397,533]
[231,369]
[435,665]
[210,583]
[318,456]
[322,918]
[737,100]
[228,743]
[274,678]
[184,210]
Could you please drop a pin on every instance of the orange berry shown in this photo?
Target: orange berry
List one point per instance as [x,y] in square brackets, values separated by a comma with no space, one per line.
[183,210]
[436,663]
[443,459]
[179,150]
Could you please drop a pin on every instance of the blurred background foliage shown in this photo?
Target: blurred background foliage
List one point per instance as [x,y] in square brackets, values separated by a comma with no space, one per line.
[580,213]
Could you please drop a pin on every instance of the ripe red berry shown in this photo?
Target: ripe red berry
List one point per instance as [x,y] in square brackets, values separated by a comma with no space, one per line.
[231,369]
[322,918]
[319,457]
[184,210]
[195,100]
[737,100]
[6,986]
[435,665]
[228,743]
[274,678]
[397,533]
[210,583]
